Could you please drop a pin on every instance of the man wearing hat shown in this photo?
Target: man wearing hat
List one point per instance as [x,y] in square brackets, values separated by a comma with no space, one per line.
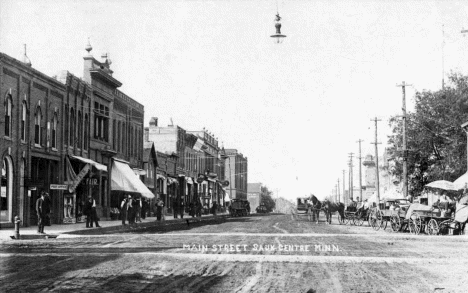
[41,215]
[90,212]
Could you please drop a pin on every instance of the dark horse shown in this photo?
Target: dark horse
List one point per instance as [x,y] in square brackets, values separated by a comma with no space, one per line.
[331,207]
[315,208]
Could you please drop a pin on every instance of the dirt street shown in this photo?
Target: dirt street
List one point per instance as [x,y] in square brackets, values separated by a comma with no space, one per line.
[253,254]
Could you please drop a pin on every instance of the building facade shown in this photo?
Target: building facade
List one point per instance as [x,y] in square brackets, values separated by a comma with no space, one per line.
[61,135]
[254,195]
[236,172]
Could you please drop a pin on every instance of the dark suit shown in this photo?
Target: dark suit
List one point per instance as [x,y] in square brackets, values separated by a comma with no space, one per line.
[40,210]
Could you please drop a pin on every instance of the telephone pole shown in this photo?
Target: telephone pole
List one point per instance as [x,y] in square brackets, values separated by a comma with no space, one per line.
[405,150]
[351,175]
[338,190]
[360,171]
[343,185]
[377,161]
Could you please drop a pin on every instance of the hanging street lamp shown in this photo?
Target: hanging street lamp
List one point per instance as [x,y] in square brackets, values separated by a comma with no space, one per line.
[278,37]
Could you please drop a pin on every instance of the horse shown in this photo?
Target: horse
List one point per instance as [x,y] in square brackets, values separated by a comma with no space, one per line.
[331,207]
[315,208]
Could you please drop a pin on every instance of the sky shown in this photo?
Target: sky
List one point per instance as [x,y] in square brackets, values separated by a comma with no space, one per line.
[295,109]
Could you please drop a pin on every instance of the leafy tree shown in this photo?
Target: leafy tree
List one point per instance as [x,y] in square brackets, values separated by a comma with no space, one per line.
[436,143]
[266,199]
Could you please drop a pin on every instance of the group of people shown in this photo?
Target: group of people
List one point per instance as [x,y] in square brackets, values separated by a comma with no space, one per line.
[133,209]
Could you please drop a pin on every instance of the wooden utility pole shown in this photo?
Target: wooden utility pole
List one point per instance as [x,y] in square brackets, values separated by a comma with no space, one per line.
[351,187]
[338,190]
[360,171]
[377,161]
[344,185]
[405,148]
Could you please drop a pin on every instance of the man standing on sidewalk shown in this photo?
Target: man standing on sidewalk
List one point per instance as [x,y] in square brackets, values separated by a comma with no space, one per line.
[40,213]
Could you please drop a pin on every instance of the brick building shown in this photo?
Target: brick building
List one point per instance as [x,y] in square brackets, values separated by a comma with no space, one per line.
[66,135]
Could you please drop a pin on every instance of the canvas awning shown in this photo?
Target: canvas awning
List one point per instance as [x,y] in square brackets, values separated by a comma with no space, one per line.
[96,165]
[124,179]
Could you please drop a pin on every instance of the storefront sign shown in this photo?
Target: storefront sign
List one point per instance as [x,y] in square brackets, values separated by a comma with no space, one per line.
[59,186]
[91,181]
[78,179]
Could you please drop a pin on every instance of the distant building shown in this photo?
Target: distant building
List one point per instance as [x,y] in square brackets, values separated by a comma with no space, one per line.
[236,171]
[254,195]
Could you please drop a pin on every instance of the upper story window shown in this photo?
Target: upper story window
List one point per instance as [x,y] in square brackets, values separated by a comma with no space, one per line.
[72,127]
[101,122]
[86,132]
[23,121]
[8,104]
[37,126]
[53,136]
[80,130]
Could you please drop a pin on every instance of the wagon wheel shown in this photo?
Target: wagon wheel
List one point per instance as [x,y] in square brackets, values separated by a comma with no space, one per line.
[432,227]
[395,222]
[374,219]
[382,220]
[360,219]
[415,224]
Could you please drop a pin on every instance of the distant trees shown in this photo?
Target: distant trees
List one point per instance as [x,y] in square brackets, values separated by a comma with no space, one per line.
[266,199]
[435,140]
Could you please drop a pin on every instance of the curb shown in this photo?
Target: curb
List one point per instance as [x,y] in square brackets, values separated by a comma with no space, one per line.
[164,225]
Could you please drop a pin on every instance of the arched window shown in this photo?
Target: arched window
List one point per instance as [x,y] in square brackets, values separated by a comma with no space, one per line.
[114,134]
[23,121]
[67,123]
[86,132]
[80,130]
[37,126]
[53,136]
[8,103]
[72,127]
[119,136]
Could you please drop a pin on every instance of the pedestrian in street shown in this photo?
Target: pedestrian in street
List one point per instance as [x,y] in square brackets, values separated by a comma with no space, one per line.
[47,207]
[144,208]
[182,208]
[131,210]
[175,207]
[159,209]
[123,210]
[91,213]
[214,208]
[138,209]
[40,213]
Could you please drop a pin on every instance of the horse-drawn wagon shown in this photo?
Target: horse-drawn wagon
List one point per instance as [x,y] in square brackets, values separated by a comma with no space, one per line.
[434,221]
[239,207]
[303,209]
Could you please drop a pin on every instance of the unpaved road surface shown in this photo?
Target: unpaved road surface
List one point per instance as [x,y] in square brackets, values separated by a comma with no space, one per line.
[253,254]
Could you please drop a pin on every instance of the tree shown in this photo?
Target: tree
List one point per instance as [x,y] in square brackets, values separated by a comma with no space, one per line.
[436,142]
[266,199]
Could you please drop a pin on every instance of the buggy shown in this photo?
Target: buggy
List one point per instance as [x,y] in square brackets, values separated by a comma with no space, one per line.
[239,207]
[303,209]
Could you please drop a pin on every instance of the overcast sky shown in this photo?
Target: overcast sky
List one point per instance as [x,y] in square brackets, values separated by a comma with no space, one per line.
[295,109]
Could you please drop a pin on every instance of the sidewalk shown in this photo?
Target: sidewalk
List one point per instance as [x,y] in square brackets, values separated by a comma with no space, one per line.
[107,227]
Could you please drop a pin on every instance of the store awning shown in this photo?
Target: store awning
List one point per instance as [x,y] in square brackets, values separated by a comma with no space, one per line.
[96,165]
[124,179]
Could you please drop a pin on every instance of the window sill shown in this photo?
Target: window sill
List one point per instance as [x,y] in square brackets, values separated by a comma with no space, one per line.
[7,138]
[54,149]
[37,146]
